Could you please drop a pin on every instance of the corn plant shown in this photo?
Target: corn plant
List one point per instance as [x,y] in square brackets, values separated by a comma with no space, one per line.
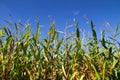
[27,56]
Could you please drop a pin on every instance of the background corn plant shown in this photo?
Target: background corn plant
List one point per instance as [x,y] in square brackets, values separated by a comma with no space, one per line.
[24,55]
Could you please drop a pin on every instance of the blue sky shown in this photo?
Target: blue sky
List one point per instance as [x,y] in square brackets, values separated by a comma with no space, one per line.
[62,11]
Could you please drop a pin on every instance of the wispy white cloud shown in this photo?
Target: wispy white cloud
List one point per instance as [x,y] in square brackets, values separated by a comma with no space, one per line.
[106,23]
[75,13]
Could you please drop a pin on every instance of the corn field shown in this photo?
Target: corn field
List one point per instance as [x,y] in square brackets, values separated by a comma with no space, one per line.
[27,56]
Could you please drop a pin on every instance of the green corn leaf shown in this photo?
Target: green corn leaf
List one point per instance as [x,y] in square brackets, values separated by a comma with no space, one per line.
[51,31]
[64,72]
[78,44]
[110,52]
[9,41]
[1,33]
[24,36]
[29,73]
[58,45]
[37,32]
[96,73]
[96,55]
[70,48]
[54,36]
[82,77]
[103,40]
[16,26]
[77,32]
[9,31]
[116,31]
[6,31]
[94,33]
[103,72]
[27,34]
[46,58]
[73,75]
[114,63]
[114,40]
[116,73]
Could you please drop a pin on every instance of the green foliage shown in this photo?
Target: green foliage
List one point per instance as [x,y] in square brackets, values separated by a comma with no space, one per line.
[28,57]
